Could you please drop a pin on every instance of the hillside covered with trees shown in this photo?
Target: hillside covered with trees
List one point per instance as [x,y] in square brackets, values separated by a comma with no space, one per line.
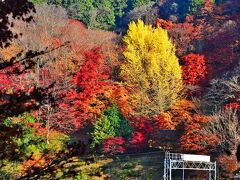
[85,78]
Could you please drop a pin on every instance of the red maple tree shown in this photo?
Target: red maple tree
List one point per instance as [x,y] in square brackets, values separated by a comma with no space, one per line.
[194,69]
[114,145]
[93,89]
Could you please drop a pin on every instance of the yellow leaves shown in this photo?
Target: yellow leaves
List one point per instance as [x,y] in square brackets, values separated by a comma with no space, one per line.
[9,52]
[151,65]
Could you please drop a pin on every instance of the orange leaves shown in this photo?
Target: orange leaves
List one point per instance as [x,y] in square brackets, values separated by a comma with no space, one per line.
[194,69]
[9,52]
[164,24]
[34,162]
[163,121]
[120,94]
[183,117]
[182,112]
[193,139]
[228,164]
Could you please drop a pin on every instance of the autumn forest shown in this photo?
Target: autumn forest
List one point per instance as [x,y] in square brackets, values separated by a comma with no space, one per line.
[84,84]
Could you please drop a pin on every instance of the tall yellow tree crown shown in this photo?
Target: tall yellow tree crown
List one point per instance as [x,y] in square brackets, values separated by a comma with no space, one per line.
[151,68]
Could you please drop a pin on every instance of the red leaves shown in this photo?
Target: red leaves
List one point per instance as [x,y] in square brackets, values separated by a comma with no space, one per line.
[4,82]
[114,145]
[146,128]
[143,128]
[139,139]
[93,73]
[12,82]
[194,69]
[233,106]
[94,92]
[93,86]
[142,124]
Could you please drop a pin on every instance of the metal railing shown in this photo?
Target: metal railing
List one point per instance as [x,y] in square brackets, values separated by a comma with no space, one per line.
[174,161]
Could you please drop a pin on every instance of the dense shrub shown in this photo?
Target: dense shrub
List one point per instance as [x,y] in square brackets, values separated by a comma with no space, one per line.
[24,145]
[111,124]
[114,145]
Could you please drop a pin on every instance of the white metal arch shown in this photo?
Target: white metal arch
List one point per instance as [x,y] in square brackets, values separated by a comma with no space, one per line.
[174,161]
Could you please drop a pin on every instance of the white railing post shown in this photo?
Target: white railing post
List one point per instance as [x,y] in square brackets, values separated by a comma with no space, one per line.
[215,170]
[170,168]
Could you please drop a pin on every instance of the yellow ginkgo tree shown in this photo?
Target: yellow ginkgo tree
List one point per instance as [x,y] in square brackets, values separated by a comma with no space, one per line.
[151,68]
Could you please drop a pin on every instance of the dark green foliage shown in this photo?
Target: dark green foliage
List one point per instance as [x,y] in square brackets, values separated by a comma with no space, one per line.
[100,14]
[111,124]
[103,18]
[119,7]
[81,10]
[138,3]
[107,12]
[186,7]
[218,2]
[183,8]
[55,2]
[38,1]
[193,6]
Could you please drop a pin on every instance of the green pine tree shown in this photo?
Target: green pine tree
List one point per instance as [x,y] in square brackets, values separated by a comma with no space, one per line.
[84,10]
[111,124]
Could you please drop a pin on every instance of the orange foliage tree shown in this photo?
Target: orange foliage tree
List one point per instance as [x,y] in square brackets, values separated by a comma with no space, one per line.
[193,139]
[182,112]
[164,24]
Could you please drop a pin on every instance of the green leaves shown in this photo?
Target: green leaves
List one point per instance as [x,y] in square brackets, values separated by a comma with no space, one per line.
[38,1]
[94,14]
[111,124]
[138,3]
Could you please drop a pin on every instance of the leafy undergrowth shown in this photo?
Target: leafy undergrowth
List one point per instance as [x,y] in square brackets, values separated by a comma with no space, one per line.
[120,167]
[27,149]
[143,166]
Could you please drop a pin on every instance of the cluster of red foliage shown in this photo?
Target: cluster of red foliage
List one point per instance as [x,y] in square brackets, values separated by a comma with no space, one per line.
[114,145]
[194,69]
[143,128]
[147,129]
[4,82]
[233,106]
[11,81]
[91,95]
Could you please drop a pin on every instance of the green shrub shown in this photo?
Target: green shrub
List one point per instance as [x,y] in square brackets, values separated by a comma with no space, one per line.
[80,176]
[21,141]
[10,169]
[111,124]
